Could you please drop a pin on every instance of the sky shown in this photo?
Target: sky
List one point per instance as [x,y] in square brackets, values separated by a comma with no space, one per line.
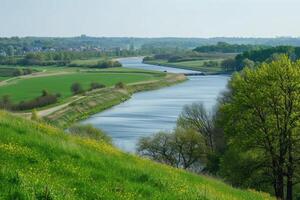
[150,18]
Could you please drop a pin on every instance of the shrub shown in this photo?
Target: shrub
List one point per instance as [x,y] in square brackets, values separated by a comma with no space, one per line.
[95,85]
[120,85]
[90,132]
[76,88]
[44,100]
[106,64]
[34,115]
[5,103]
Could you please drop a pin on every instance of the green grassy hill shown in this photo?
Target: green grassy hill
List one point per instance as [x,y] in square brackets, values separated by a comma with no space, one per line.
[41,162]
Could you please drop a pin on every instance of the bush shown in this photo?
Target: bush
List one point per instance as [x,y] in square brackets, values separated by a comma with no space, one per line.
[95,85]
[34,115]
[44,100]
[90,132]
[120,85]
[107,64]
[76,88]
[5,103]
[148,58]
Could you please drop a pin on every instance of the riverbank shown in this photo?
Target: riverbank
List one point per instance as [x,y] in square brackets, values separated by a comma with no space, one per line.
[99,100]
[189,66]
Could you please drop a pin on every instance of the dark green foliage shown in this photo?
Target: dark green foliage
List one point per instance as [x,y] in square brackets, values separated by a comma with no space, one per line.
[264,54]
[12,71]
[120,85]
[41,101]
[255,57]
[106,64]
[6,103]
[76,88]
[95,85]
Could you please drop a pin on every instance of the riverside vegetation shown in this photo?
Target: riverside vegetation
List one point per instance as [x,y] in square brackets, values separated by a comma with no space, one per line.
[252,138]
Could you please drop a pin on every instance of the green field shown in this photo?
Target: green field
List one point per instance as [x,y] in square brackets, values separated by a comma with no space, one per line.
[3,78]
[42,162]
[26,89]
[196,65]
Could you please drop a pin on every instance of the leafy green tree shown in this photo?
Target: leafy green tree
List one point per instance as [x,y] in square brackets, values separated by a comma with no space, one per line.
[182,148]
[76,88]
[195,116]
[262,120]
[229,64]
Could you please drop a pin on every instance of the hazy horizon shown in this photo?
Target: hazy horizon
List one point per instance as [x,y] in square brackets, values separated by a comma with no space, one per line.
[150,18]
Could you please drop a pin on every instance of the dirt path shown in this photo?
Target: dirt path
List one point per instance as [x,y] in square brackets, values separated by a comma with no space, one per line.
[48,111]
[44,113]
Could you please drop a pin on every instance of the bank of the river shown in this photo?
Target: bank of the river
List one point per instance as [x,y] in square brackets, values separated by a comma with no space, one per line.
[99,100]
[196,66]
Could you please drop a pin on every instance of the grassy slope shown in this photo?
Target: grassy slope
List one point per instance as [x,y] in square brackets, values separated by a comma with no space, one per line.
[26,89]
[38,160]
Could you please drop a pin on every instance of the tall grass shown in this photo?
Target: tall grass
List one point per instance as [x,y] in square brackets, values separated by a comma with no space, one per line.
[42,162]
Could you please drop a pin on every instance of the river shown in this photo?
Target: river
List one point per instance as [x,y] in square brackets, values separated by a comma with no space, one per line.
[148,112]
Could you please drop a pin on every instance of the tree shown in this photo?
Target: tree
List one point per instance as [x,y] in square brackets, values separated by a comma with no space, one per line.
[196,117]
[262,120]
[182,148]
[248,63]
[76,88]
[229,64]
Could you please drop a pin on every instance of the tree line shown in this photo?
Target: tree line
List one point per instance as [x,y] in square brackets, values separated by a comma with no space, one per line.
[255,57]
[62,58]
[251,139]
[223,47]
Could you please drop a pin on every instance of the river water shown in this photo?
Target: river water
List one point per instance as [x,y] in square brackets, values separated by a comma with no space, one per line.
[148,112]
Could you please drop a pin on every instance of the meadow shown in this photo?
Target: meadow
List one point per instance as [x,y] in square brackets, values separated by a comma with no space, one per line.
[40,162]
[26,89]
[3,78]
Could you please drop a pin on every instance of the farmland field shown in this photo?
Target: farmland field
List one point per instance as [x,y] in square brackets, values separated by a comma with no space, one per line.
[26,89]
